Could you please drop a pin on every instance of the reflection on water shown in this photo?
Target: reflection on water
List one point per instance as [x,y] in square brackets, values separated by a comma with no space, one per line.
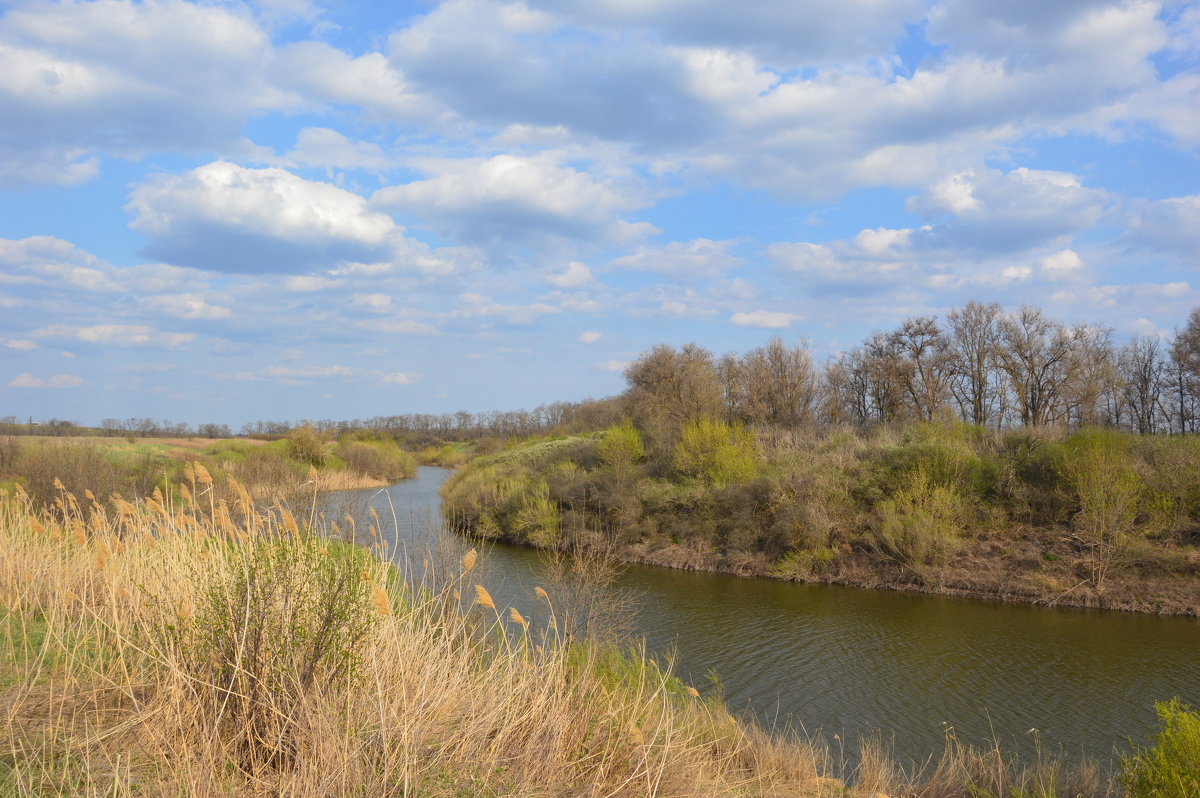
[850,661]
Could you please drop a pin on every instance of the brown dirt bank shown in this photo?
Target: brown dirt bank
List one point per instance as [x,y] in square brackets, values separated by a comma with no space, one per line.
[1033,569]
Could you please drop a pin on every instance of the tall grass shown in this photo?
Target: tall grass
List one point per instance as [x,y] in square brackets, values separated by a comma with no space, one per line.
[151,649]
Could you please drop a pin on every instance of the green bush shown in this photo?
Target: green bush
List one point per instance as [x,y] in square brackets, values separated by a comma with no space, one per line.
[1171,767]
[622,445]
[382,460]
[1109,492]
[919,525]
[284,621]
[715,452]
[304,446]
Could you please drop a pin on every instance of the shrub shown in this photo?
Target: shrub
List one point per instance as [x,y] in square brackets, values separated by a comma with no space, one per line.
[304,446]
[1171,767]
[622,445]
[283,622]
[716,452]
[537,520]
[919,525]
[1102,474]
[384,461]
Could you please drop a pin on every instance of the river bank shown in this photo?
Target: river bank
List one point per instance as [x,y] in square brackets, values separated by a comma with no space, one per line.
[1096,519]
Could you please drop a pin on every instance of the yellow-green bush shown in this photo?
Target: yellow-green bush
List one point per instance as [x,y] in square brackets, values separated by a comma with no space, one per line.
[919,525]
[1171,767]
[382,460]
[716,452]
[622,445]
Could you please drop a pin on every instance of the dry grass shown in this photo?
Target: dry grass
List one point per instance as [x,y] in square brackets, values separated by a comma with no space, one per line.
[149,649]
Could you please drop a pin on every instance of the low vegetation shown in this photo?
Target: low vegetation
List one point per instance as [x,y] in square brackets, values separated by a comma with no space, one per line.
[1097,517]
[134,469]
[150,648]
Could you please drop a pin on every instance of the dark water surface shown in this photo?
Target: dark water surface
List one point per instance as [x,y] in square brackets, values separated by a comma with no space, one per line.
[850,662]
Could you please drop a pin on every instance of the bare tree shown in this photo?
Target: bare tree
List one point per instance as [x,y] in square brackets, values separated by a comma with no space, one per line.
[974,335]
[1143,372]
[1185,360]
[1090,388]
[778,384]
[669,386]
[923,368]
[1034,353]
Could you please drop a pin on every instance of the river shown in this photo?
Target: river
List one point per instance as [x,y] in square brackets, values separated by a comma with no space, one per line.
[852,662]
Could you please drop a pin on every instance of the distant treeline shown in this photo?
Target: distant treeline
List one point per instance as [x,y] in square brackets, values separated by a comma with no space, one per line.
[419,428]
[987,366]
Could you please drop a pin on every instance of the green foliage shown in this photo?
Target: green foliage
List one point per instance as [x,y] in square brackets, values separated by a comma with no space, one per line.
[715,452]
[919,525]
[1171,767]
[622,445]
[285,620]
[304,446]
[537,520]
[1109,492]
[383,460]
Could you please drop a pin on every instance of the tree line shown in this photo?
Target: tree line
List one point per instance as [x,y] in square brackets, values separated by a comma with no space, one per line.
[982,364]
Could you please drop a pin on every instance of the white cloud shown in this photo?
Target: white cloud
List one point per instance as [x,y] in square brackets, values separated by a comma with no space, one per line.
[1061,265]
[769,319]
[27,380]
[229,218]
[401,378]
[576,275]
[123,335]
[618,366]
[124,77]
[1170,225]
[696,259]
[589,337]
[511,197]
[186,306]
[374,301]
[321,72]
[321,146]
[18,344]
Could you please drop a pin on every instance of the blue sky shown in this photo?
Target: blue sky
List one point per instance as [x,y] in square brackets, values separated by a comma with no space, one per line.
[226,211]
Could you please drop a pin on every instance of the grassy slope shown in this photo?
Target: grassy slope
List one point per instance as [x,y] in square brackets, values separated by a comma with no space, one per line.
[135,467]
[1094,519]
[153,650]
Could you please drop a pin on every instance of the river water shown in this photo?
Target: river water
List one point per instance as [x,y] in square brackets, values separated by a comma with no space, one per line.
[853,662]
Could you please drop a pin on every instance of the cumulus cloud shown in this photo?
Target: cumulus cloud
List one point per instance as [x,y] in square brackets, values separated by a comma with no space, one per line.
[124,77]
[320,72]
[768,319]
[27,380]
[790,33]
[401,378]
[321,146]
[123,335]
[186,306]
[576,275]
[697,259]
[1061,265]
[589,337]
[996,211]
[18,344]
[229,218]
[1170,225]
[510,197]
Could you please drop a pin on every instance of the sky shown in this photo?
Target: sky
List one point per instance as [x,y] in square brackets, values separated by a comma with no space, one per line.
[225,211]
